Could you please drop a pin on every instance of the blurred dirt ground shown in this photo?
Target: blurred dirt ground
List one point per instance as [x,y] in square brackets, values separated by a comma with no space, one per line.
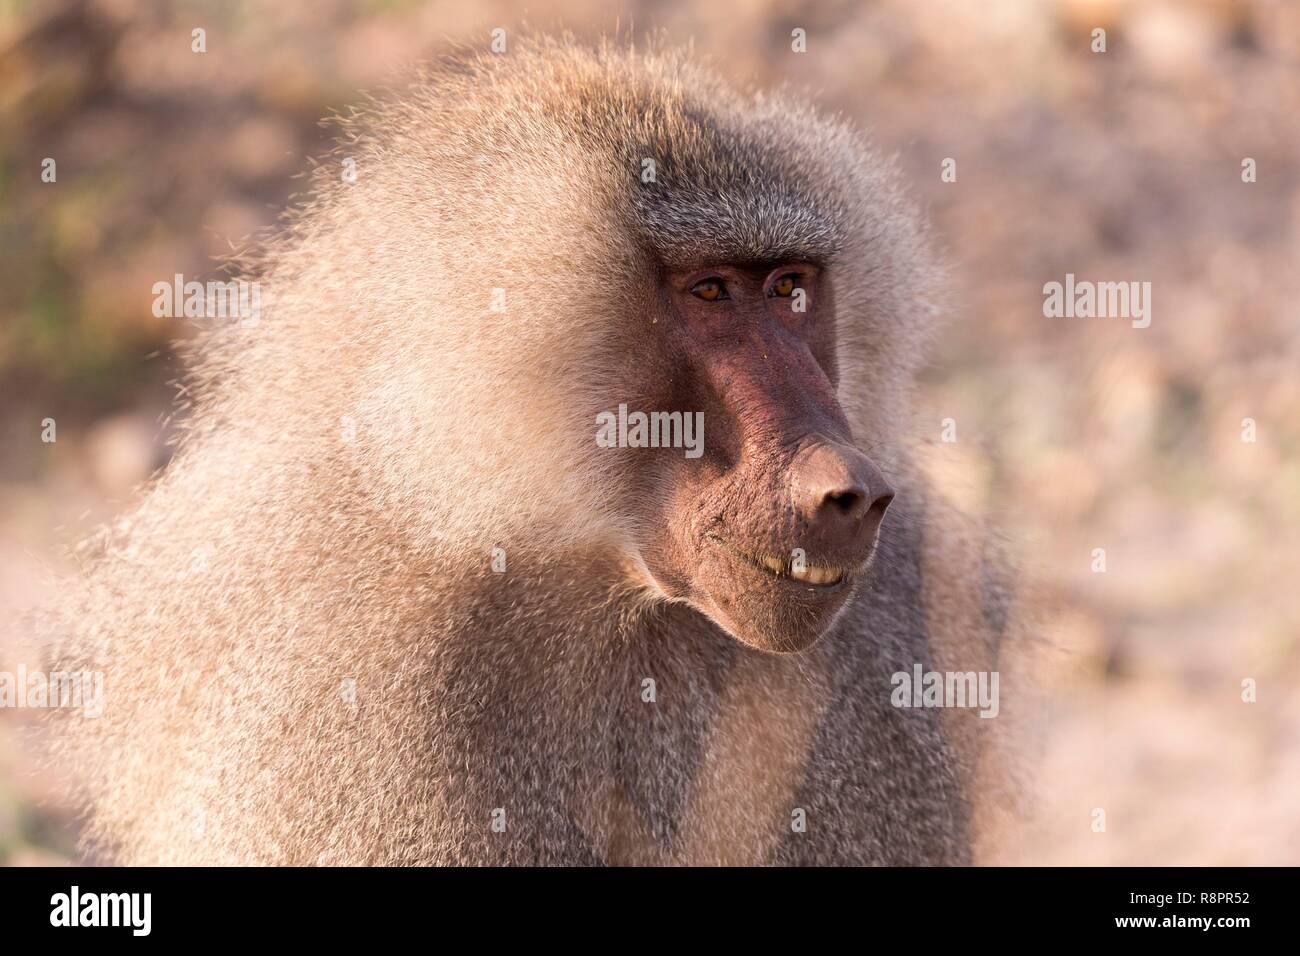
[1075,434]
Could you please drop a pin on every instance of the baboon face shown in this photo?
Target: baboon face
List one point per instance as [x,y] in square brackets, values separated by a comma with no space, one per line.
[772,526]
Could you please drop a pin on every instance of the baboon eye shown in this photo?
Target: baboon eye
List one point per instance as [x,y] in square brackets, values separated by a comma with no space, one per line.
[710,290]
[783,287]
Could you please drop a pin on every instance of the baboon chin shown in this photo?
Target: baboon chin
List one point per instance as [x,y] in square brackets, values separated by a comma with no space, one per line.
[377,609]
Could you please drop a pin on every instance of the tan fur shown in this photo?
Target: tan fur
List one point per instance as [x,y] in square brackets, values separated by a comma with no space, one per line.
[275,564]
[754,756]
[962,640]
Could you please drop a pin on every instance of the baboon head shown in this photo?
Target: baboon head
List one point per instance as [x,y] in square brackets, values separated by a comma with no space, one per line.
[663,246]
[752,262]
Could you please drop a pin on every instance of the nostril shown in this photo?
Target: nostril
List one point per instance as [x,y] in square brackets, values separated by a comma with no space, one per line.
[876,513]
[847,502]
[855,503]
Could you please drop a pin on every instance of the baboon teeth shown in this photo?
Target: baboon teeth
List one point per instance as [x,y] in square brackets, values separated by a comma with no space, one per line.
[814,574]
[809,574]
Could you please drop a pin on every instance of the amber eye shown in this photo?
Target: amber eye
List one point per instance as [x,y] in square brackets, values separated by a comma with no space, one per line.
[710,290]
[783,287]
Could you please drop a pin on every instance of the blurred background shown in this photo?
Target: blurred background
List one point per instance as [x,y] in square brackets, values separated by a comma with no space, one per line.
[1073,434]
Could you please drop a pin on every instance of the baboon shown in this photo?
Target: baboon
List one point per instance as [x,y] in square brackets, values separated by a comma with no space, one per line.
[391,602]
